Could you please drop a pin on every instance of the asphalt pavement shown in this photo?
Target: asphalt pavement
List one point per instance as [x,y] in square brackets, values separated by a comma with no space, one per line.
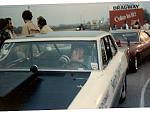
[138,88]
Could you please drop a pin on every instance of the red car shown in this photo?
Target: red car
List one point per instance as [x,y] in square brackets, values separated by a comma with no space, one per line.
[137,43]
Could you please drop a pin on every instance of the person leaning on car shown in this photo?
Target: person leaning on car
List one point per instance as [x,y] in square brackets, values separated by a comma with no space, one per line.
[28,28]
[42,24]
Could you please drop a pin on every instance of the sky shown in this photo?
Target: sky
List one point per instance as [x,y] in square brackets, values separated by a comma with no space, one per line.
[70,13]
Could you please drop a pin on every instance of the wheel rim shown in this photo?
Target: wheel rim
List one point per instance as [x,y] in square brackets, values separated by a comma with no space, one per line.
[136,63]
[124,90]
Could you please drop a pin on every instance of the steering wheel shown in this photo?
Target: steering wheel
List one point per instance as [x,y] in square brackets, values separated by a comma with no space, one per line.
[64,59]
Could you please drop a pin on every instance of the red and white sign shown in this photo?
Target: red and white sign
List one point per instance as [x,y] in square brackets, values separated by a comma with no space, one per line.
[118,17]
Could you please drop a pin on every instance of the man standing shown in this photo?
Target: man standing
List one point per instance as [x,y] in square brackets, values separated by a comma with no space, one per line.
[125,25]
[146,26]
[9,28]
[28,28]
[4,35]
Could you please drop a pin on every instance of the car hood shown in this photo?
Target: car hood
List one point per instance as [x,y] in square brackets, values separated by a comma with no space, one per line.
[54,90]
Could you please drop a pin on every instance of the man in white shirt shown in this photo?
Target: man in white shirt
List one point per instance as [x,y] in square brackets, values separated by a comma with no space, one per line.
[28,28]
[146,26]
[125,25]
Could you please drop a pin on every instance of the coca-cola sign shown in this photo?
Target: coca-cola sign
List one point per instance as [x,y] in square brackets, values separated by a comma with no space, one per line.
[125,16]
[118,17]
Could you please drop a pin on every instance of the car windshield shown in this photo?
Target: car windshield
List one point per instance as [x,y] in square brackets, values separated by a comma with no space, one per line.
[54,55]
[126,36]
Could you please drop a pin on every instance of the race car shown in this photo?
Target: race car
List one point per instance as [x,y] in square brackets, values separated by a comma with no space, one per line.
[62,70]
[138,43]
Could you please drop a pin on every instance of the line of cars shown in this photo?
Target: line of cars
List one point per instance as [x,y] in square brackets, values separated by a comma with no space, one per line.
[39,72]
[98,80]
[137,43]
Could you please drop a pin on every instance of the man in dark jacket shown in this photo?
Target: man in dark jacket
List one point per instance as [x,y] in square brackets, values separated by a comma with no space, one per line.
[4,35]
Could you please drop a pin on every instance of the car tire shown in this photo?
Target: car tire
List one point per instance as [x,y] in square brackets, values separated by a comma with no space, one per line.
[123,92]
[134,64]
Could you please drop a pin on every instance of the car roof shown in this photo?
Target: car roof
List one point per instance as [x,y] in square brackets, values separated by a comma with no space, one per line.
[61,35]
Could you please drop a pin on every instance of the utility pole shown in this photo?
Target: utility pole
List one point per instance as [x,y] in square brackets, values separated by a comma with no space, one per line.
[28,7]
[80,18]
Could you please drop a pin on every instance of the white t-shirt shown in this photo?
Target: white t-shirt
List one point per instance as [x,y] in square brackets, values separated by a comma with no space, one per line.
[146,26]
[127,27]
[45,29]
[29,28]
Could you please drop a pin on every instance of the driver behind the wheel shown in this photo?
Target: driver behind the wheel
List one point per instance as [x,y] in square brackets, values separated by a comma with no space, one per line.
[75,59]
[78,57]
[83,57]
[77,54]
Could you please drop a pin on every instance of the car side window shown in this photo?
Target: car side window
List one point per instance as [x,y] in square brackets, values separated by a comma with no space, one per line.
[21,51]
[104,55]
[112,45]
[35,50]
[107,48]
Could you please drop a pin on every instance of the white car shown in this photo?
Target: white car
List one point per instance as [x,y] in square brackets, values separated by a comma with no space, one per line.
[70,69]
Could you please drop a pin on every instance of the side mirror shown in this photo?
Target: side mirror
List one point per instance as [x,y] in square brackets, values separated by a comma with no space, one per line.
[34,69]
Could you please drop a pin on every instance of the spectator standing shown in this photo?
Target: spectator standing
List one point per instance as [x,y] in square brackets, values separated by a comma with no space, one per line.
[136,25]
[10,28]
[114,27]
[28,28]
[146,26]
[4,35]
[42,24]
[81,27]
[125,25]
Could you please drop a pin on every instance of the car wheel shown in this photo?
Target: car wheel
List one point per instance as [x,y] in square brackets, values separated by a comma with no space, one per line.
[123,92]
[134,65]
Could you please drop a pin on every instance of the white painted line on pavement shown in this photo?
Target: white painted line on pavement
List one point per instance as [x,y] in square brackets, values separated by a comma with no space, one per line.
[143,93]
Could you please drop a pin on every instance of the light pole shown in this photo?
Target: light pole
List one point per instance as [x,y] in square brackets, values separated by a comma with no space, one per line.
[28,7]
[100,23]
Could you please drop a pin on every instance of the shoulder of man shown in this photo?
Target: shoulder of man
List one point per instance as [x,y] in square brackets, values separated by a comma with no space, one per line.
[5,35]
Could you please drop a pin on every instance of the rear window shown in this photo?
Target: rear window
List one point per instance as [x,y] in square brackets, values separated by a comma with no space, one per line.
[131,36]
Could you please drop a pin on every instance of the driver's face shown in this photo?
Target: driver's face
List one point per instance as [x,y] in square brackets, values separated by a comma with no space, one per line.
[77,54]
[80,53]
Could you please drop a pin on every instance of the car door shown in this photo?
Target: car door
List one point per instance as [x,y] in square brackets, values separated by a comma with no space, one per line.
[112,67]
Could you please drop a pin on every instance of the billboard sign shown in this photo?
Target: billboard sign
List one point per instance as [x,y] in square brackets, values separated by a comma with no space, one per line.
[129,13]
